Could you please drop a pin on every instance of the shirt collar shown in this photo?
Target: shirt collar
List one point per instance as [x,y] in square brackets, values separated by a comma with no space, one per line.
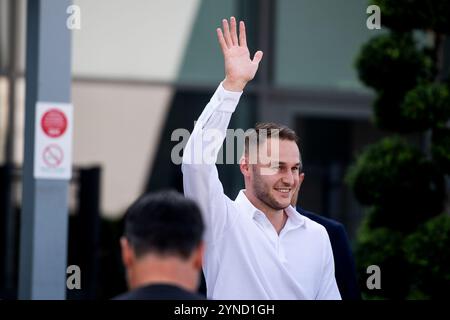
[295,218]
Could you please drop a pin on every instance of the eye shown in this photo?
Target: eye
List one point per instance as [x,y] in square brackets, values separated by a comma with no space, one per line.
[295,169]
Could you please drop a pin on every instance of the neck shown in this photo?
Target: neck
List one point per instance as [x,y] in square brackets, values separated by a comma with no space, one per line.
[276,217]
[153,269]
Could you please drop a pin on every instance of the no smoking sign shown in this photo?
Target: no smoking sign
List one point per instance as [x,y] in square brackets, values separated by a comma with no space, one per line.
[53,156]
[53,141]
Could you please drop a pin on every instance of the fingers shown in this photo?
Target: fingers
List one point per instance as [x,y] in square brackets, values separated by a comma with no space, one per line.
[234,36]
[242,35]
[226,33]
[221,39]
[229,36]
[258,56]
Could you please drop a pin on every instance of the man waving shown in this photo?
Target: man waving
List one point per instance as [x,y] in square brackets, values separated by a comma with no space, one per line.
[257,246]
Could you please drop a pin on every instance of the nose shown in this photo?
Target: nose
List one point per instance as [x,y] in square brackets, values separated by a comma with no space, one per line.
[288,178]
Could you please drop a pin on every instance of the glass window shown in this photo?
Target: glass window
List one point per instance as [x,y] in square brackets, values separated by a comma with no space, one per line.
[317,42]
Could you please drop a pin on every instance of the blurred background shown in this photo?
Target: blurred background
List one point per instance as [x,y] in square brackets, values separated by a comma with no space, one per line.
[141,69]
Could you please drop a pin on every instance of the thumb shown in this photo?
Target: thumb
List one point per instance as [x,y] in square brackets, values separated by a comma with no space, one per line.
[258,56]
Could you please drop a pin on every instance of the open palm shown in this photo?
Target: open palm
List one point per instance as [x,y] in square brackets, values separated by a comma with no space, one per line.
[239,67]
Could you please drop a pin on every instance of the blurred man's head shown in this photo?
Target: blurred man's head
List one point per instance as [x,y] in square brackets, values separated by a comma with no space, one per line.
[272,165]
[162,240]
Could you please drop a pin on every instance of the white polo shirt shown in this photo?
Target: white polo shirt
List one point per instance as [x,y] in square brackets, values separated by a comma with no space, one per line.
[245,258]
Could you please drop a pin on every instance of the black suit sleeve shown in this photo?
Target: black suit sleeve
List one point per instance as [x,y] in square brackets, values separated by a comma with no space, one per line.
[344,264]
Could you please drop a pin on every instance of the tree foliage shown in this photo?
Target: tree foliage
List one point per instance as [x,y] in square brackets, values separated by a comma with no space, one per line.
[402,185]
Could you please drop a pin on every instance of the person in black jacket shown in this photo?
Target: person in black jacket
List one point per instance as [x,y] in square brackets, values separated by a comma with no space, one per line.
[344,263]
[162,248]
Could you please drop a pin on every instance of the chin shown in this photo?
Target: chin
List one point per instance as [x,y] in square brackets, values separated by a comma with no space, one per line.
[285,205]
[282,204]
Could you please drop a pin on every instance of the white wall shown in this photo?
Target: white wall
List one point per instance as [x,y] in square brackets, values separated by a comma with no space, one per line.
[118,127]
[138,39]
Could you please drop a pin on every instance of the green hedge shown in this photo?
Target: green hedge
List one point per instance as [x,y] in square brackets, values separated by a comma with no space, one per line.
[392,62]
[427,106]
[382,247]
[412,267]
[428,254]
[388,112]
[440,149]
[403,187]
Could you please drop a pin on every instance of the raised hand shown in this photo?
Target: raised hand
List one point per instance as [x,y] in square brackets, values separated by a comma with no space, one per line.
[239,68]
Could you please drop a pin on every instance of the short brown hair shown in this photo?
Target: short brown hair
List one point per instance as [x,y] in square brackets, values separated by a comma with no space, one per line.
[265,130]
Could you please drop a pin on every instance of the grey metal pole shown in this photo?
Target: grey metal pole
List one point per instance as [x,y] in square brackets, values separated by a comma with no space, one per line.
[10,213]
[43,242]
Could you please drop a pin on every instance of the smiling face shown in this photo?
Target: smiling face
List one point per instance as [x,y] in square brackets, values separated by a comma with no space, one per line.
[273,180]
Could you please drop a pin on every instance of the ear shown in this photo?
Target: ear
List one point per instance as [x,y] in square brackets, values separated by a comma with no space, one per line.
[198,256]
[294,199]
[127,252]
[244,166]
[301,177]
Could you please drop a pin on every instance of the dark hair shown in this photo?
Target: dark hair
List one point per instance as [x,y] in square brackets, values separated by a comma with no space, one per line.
[165,223]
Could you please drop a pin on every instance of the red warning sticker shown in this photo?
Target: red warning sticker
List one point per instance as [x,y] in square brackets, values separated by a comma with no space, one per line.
[54,123]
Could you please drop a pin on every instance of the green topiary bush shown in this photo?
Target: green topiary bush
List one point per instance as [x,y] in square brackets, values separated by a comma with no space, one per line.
[382,247]
[388,112]
[427,106]
[404,188]
[428,254]
[440,149]
[392,62]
